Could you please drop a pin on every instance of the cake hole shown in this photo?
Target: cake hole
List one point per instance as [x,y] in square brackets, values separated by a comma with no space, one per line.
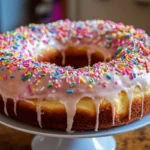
[73,56]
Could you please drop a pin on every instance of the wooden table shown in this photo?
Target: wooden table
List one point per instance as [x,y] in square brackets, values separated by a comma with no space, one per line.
[15,140]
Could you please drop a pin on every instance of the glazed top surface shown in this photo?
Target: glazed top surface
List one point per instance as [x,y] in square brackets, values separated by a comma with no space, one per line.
[22,76]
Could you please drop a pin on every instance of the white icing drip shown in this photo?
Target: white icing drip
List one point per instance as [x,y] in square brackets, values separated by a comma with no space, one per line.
[15,106]
[70,105]
[89,53]
[113,112]
[39,115]
[130,94]
[142,111]
[130,109]
[97,102]
[5,106]
[107,53]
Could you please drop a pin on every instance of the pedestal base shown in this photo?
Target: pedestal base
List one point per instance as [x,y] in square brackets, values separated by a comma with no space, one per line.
[49,143]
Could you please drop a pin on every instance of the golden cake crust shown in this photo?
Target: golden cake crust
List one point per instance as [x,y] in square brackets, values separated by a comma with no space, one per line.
[54,115]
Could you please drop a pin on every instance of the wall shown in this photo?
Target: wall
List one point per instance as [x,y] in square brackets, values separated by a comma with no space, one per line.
[12,13]
[127,11]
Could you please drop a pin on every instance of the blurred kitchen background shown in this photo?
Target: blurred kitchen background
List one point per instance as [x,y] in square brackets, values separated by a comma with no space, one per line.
[14,13]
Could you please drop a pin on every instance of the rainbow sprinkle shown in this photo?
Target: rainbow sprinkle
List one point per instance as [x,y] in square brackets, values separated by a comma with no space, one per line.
[130,46]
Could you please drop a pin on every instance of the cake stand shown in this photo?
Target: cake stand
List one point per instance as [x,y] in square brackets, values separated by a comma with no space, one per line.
[59,140]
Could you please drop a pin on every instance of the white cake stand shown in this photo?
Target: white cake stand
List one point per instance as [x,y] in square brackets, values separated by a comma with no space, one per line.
[57,140]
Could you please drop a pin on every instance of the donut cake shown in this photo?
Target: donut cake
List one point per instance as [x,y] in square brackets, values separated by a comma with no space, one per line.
[75,75]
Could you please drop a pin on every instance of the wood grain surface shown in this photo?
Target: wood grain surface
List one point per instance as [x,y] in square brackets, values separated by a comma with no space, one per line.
[15,140]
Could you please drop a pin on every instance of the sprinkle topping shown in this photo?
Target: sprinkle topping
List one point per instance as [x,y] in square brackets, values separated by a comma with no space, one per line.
[18,48]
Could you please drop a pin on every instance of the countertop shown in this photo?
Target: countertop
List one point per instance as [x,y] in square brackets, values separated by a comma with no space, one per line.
[11,139]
